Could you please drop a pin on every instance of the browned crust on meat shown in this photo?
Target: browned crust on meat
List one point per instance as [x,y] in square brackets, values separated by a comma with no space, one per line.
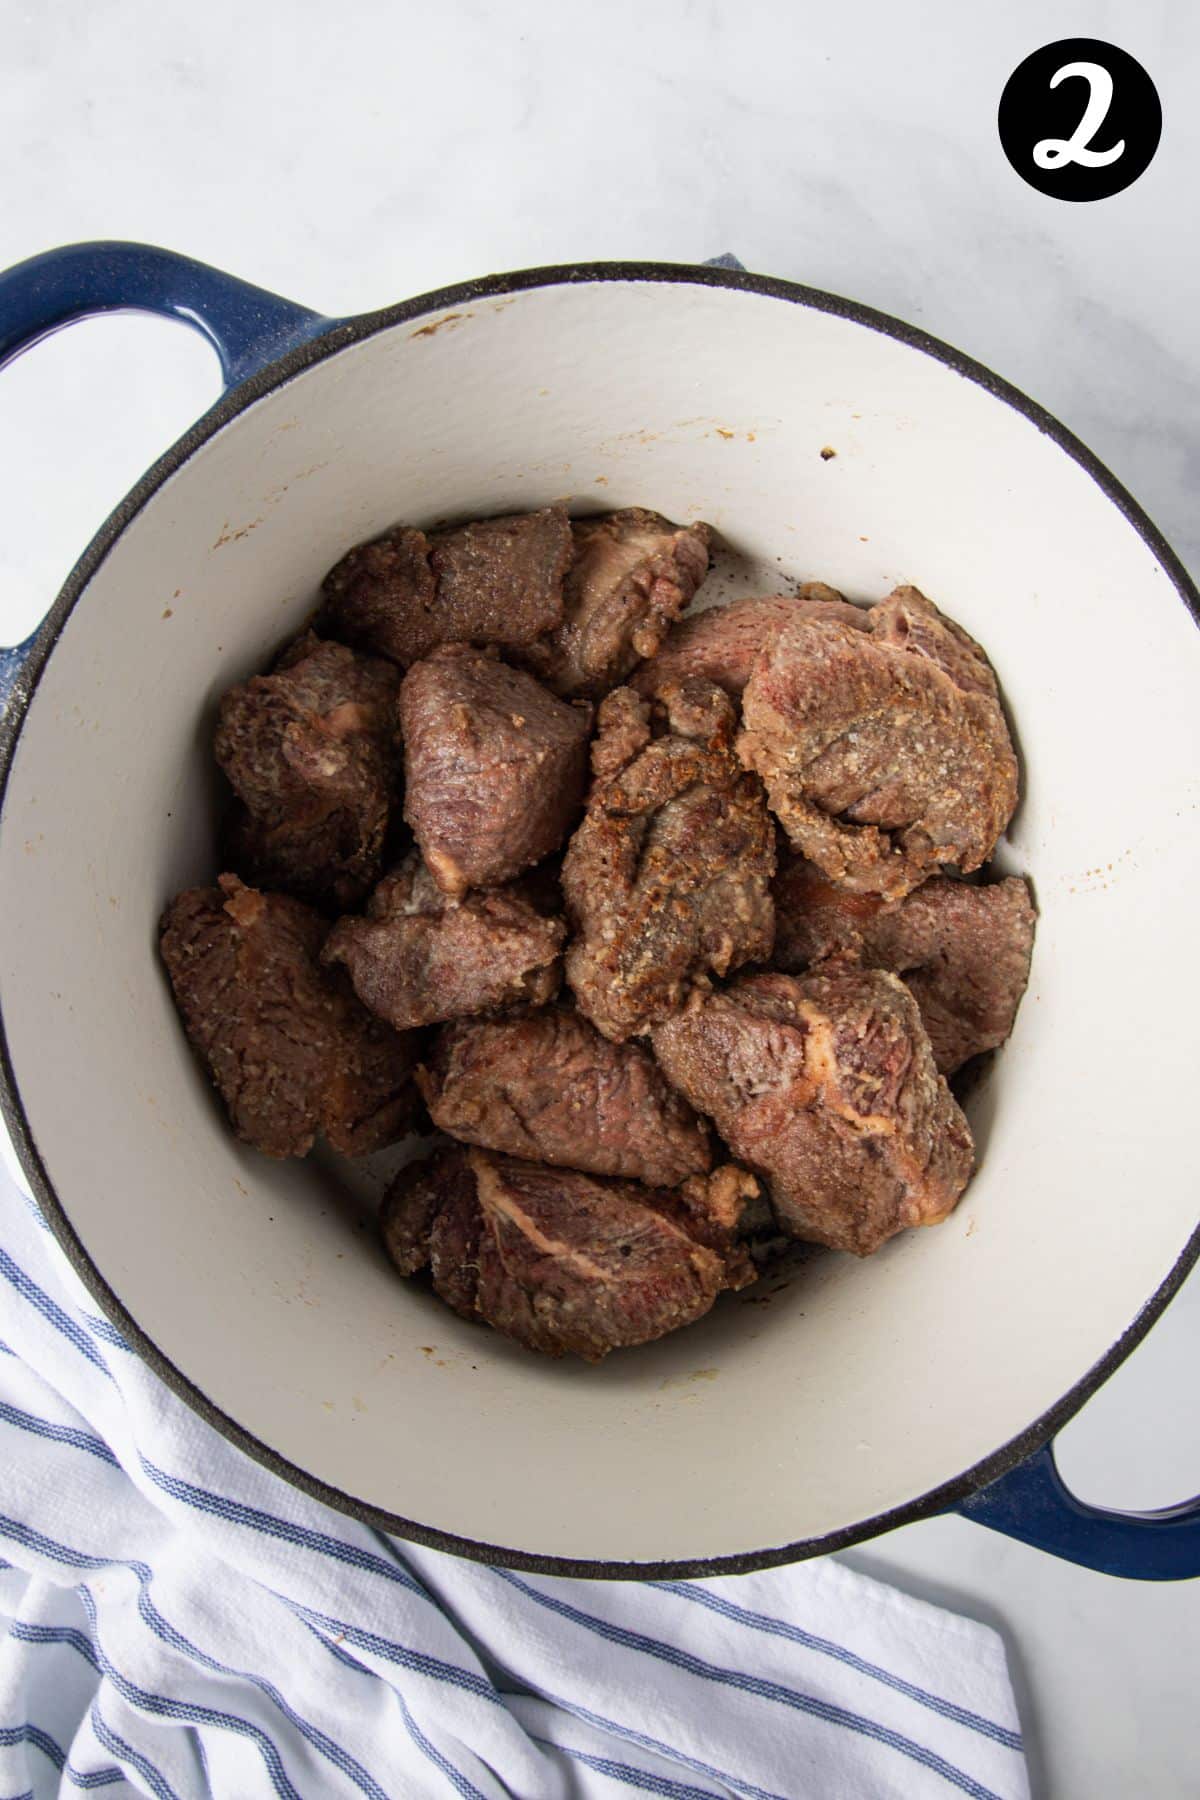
[546,1086]
[495,767]
[632,574]
[563,1262]
[667,879]
[825,1086]
[420,957]
[962,950]
[288,1047]
[721,643]
[884,756]
[309,753]
[494,581]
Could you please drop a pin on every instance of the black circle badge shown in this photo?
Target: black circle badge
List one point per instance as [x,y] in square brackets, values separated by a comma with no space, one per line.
[1080,119]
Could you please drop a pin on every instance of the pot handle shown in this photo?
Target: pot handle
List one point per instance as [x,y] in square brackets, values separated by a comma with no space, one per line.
[247,326]
[1033,1503]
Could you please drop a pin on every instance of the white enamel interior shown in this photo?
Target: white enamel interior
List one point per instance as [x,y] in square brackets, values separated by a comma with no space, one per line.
[863,1385]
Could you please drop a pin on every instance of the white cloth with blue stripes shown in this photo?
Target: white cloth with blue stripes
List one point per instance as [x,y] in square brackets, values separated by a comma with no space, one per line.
[177,1621]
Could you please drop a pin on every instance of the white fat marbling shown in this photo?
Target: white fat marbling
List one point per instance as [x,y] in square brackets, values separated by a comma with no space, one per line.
[354,158]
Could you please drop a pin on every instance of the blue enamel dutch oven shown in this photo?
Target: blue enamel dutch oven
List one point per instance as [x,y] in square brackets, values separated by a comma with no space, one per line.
[930,1377]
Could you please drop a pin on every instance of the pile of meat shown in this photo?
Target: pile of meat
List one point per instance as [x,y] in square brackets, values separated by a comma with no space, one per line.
[665,923]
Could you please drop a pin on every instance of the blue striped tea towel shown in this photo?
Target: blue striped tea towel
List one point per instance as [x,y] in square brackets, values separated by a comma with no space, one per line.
[176,1621]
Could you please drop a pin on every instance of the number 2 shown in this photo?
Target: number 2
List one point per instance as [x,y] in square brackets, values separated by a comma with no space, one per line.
[1056,153]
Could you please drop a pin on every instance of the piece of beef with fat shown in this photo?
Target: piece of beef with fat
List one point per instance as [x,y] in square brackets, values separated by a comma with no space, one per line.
[561,1261]
[631,576]
[825,1086]
[963,951]
[420,957]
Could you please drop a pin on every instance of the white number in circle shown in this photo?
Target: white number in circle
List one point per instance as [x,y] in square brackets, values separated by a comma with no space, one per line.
[1055,153]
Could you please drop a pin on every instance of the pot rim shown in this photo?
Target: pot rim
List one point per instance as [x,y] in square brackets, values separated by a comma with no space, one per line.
[276,374]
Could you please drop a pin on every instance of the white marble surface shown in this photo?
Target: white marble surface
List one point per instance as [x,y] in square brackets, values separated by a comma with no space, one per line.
[355,156]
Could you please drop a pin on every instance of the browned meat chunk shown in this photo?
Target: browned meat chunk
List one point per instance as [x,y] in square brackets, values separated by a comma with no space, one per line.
[382,597]
[825,1086]
[722,642]
[633,574]
[884,755]
[963,951]
[289,1047]
[562,1262]
[548,1087]
[668,877]
[498,581]
[495,767]
[309,752]
[420,957]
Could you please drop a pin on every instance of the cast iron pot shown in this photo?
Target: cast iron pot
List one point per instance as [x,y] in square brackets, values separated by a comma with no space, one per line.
[870,1394]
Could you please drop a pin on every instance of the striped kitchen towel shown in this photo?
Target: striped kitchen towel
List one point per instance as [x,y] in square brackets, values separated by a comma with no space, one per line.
[176,1621]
